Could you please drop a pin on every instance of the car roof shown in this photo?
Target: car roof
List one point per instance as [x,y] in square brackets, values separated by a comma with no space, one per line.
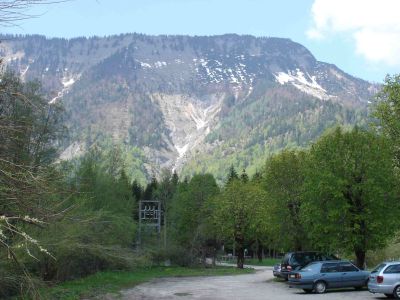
[331,261]
[301,252]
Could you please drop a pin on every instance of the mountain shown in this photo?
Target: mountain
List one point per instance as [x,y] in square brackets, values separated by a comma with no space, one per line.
[194,104]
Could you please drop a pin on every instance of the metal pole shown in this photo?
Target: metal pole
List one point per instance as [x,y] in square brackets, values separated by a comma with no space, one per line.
[159,224]
[140,223]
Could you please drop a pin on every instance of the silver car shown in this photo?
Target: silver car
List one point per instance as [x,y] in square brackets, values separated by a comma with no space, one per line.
[385,279]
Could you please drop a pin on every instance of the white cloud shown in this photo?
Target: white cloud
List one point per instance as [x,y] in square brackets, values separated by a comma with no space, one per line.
[373,25]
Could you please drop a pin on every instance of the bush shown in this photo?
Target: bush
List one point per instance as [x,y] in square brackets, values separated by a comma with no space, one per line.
[174,254]
[391,252]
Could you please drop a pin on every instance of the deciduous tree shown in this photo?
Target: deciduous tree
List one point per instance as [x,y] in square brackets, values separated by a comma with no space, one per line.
[283,181]
[350,193]
[387,112]
[239,215]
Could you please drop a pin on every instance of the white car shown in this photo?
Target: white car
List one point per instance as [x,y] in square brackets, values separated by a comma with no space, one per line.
[385,279]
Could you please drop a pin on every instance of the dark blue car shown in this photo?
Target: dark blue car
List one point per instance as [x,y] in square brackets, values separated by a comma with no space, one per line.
[323,275]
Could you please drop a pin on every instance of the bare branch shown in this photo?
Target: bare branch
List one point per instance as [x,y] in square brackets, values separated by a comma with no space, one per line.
[13,11]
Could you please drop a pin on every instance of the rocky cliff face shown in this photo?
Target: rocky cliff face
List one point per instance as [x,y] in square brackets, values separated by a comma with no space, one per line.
[190,103]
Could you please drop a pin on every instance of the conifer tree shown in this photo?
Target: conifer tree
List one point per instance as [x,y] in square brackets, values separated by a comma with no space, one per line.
[232,175]
[244,177]
[137,190]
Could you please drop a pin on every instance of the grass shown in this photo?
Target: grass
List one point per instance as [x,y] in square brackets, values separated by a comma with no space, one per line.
[265,262]
[113,281]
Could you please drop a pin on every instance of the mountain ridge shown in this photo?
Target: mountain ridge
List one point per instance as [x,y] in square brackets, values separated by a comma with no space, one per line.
[178,98]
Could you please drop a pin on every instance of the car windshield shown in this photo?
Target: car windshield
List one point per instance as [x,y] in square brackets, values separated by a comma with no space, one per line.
[378,268]
[302,259]
[313,267]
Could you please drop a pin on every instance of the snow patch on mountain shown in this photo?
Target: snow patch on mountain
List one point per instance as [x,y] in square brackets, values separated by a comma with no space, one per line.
[67,82]
[214,71]
[160,64]
[302,81]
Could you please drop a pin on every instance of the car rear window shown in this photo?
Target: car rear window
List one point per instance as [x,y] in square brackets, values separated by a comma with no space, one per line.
[313,267]
[330,268]
[348,267]
[378,268]
[393,269]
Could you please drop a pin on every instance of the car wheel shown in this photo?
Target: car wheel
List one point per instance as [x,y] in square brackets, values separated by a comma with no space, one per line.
[307,291]
[320,287]
[396,292]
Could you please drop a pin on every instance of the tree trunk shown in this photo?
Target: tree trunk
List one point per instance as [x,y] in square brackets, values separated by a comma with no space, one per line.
[240,252]
[360,262]
[204,256]
[214,256]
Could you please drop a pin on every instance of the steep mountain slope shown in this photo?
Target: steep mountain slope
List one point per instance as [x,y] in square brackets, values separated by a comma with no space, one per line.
[190,103]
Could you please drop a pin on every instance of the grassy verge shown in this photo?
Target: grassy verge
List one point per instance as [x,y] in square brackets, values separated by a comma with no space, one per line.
[114,281]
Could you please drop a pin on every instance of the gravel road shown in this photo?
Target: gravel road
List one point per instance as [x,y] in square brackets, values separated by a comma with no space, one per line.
[260,285]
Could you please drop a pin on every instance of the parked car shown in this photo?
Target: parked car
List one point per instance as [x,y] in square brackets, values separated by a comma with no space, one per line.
[293,261]
[323,275]
[385,279]
[277,270]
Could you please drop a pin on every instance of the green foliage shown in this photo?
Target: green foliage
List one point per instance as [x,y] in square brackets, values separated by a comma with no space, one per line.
[283,181]
[387,111]
[350,192]
[390,252]
[137,190]
[239,215]
[232,175]
[100,225]
[150,190]
[189,213]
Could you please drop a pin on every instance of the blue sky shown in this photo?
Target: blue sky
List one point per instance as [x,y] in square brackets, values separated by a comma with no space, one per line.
[342,32]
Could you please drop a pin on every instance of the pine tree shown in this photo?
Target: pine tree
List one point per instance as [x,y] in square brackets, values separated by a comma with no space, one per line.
[150,189]
[257,177]
[232,175]
[244,177]
[137,190]
[175,179]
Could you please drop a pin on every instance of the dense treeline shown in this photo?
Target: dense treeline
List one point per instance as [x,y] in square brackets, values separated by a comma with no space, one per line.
[64,220]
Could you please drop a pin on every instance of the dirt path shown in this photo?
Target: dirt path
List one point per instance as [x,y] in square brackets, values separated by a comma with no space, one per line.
[260,285]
